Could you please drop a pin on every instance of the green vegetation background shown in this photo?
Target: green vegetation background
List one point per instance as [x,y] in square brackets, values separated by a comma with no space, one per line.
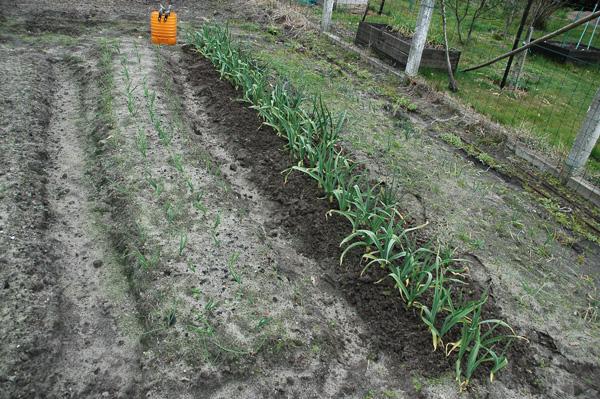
[554,98]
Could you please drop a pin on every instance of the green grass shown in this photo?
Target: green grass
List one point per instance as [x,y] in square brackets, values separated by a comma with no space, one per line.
[555,96]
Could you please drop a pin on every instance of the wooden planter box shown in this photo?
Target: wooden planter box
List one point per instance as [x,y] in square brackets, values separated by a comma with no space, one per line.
[395,47]
[568,53]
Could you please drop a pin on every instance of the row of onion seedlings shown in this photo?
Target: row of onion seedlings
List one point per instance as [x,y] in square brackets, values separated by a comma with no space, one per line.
[426,279]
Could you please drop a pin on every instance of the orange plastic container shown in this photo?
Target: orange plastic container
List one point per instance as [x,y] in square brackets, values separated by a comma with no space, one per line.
[163,32]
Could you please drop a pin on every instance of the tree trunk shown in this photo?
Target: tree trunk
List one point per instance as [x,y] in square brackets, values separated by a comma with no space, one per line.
[451,81]
[459,18]
[510,10]
[474,18]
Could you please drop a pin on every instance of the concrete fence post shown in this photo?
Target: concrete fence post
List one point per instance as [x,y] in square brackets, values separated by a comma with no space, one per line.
[420,38]
[584,142]
[327,11]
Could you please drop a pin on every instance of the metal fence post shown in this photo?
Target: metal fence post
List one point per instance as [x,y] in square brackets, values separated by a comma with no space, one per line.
[584,142]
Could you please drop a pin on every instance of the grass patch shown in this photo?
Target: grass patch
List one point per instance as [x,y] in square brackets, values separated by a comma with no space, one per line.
[554,97]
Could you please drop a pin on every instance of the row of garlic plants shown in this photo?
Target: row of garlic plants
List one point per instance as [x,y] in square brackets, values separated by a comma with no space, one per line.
[148,256]
[424,277]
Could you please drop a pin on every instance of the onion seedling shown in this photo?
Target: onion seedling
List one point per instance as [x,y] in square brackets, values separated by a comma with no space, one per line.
[125,70]
[383,242]
[214,228]
[158,185]
[170,212]
[413,279]
[199,205]
[476,346]
[146,262]
[177,162]
[231,267]
[183,240]
[361,207]
[142,142]
[455,316]
[131,99]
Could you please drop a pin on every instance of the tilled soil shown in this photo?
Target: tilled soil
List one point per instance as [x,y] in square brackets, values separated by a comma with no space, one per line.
[62,338]
[153,245]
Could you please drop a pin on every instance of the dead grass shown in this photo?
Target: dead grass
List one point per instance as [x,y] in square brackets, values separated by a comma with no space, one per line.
[289,16]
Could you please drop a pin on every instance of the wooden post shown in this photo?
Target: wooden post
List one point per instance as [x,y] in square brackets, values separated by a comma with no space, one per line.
[420,38]
[327,11]
[584,142]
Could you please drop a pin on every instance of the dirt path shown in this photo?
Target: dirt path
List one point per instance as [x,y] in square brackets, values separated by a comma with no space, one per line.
[93,357]
[71,345]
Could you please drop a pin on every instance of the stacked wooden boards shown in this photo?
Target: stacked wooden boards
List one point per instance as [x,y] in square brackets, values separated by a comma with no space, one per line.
[395,47]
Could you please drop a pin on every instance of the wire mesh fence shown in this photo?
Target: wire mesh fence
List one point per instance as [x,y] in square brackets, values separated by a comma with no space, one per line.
[547,101]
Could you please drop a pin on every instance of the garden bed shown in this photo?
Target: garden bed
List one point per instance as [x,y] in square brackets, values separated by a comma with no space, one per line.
[567,52]
[395,47]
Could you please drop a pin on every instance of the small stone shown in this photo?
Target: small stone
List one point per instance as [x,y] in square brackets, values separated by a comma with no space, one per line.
[64,176]
[6,285]
[233,167]
[97,263]
[105,394]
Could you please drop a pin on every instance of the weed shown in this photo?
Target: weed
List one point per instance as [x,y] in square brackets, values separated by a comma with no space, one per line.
[263,322]
[401,102]
[452,139]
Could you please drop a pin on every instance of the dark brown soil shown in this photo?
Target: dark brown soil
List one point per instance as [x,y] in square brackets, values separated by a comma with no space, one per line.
[394,330]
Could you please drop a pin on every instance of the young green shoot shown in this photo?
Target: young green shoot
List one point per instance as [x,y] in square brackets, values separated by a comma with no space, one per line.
[232,268]
[183,241]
